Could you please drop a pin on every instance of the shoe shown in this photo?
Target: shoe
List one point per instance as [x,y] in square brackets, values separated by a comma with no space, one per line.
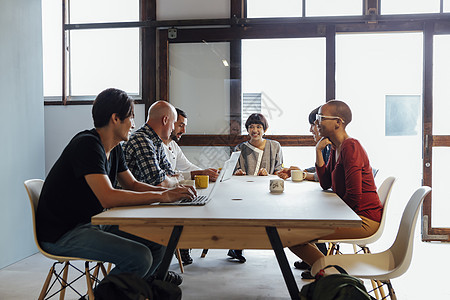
[301,265]
[186,256]
[237,254]
[307,275]
[174,278]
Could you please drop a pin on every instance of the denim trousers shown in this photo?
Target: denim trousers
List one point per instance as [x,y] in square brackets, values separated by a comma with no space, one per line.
[129,253]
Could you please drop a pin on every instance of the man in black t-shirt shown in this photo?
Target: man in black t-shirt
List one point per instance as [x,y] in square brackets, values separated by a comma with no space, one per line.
[80,185]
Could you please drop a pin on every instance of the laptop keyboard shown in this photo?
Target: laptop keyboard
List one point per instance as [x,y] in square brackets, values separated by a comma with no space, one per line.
[195,201]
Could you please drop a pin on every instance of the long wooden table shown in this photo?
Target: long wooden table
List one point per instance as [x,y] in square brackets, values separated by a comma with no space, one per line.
[243,214]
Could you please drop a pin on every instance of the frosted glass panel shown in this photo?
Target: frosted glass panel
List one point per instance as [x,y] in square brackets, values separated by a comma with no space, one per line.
[333,8]
[441,87]
[104,58]
[207,156]
[214,157]
[200,85]
[403,115]
[369,68]
[441,193]
[192,9]
[409,6]
[270,8]
[101,11]
[290,76]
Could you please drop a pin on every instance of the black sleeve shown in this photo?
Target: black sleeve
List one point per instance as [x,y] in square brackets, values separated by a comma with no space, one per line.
[88,157]
[122,165]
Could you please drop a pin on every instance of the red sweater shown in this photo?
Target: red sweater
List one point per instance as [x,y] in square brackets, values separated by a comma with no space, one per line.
[351,178]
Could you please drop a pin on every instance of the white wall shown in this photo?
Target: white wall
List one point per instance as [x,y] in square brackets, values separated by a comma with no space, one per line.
[63,122]
[22,123]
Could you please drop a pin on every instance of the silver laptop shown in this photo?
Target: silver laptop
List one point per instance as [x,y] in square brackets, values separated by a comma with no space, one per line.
[225,174]
[229,165]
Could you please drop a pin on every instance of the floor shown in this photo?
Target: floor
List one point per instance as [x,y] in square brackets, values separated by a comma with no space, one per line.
[216,277]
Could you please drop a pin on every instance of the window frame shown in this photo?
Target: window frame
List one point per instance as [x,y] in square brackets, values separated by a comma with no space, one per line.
[154,84]
[327,27]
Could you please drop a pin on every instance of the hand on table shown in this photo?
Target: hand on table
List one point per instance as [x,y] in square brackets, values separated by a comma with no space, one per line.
[262,172]
[178,193]
[240,172]
[285,173]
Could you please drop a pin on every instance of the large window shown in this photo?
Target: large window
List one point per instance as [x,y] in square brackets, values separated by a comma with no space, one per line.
[269,8]
[315,8]
[441,109]
[220,63]
[289,74]
[96,59]
[409,6]
[52,47]
[104,58]
[372,71]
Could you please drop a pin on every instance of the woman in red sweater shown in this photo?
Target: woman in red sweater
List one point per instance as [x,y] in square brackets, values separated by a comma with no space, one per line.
[348,173]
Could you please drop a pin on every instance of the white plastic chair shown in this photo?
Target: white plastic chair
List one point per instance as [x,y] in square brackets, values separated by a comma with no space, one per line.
[384,193]
[34,187]
[388,264]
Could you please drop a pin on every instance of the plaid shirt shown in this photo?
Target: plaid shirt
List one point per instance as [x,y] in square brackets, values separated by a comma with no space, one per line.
[145,156]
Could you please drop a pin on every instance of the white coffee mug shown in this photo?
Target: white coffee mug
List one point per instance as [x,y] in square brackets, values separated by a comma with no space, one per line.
[298,175]
[276,185]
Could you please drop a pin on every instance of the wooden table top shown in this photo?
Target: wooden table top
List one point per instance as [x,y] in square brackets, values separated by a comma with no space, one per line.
[245,201]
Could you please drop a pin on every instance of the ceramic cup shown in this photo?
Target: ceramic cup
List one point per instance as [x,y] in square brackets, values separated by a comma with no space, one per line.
[276,185]
[298,175]
[201,181]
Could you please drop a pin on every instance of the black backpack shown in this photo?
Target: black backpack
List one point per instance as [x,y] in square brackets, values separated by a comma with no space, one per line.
[127,286]
[335,287]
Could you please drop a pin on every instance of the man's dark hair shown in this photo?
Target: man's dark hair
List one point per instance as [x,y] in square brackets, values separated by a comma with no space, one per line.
[257,119]
[111,101]
[312,115]
[181,113]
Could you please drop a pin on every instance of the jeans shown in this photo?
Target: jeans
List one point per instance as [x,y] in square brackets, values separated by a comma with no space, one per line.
[129,253]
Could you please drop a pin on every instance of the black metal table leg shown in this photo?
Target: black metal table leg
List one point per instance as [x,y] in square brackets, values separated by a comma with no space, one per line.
[277,246]
[168,255]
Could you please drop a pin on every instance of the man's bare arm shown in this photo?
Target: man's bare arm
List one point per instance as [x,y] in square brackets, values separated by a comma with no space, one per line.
[111,197]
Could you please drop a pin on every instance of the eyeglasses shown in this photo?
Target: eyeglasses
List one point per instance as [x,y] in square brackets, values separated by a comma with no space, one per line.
[319,118]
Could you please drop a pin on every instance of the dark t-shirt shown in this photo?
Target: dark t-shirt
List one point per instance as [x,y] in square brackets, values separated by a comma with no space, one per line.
[66,199]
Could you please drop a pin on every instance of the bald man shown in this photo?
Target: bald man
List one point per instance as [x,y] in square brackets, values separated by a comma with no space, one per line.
[144,151]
